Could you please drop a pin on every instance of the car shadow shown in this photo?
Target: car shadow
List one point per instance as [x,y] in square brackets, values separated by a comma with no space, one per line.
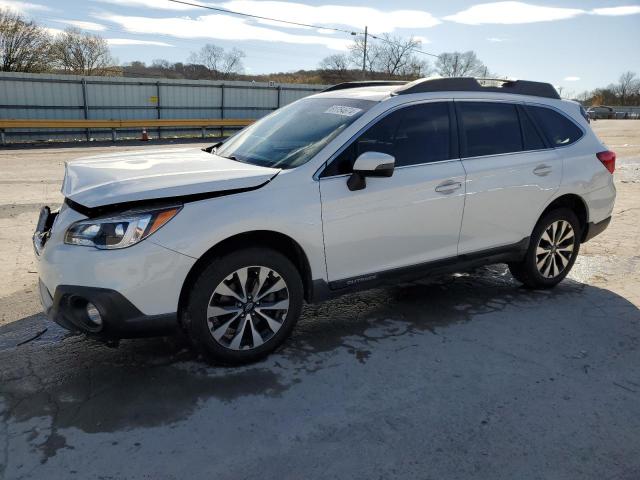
[81,383]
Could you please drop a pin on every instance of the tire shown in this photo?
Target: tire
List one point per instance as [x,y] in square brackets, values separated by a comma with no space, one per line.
[233,325]
[546,262]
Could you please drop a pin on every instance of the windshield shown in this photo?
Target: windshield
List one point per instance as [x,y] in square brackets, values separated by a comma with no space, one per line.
[293,134]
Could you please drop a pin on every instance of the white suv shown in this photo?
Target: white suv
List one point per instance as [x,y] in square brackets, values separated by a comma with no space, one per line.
[363,184]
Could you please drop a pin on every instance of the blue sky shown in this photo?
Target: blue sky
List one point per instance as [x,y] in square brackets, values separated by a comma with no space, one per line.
[578,45]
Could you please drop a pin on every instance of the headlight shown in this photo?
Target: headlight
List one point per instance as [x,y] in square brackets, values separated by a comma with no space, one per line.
[121,230]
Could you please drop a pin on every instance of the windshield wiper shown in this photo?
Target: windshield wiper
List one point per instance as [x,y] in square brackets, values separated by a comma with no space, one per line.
[212,148]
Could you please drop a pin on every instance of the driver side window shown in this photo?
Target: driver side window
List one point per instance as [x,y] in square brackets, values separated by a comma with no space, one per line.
[413,135]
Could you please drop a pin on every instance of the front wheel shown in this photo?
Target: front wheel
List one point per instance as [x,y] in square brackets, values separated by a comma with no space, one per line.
[553,249]
[244,305]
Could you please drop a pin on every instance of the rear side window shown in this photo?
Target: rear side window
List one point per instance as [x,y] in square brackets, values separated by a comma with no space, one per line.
[558,129]
[489,128]
[413,135]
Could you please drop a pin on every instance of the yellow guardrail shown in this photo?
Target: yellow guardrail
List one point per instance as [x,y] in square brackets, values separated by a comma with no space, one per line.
[116,124]
[178,122]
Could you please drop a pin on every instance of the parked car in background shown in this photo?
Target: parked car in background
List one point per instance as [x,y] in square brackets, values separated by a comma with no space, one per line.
[364,184]
[601,112]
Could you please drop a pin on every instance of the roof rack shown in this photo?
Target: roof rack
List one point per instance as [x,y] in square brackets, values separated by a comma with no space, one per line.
[364,83]
[470,84]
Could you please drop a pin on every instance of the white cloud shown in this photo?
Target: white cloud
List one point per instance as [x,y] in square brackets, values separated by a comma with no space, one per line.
[519,12]
[131,41]
[378,21]
[616,11]
[496,39]
[421,39]
[221,27]
[571,79]
[152,4]
[53,31]
[273,23]
[22,7]
[511,13]
[355,17]
[232,27]
[94,27]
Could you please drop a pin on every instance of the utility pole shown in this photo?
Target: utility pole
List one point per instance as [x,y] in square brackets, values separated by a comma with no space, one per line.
[364,54]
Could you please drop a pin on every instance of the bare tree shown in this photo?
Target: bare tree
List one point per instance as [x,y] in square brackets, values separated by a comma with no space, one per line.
[628,84]
[83,53]
[460,64]
[390,55]
[24,46]
[210,56]
[583,97]
[161,63]
[232,61]
[396,56]
[338,62]
[337,68]
[219,62]
[357,56]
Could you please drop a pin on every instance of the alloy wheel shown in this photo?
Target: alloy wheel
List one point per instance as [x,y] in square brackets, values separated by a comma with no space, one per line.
[248,308]
[555,249]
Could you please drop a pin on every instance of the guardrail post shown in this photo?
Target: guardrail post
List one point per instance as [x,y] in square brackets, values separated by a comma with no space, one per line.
[113,135]
[158,107]
[204,132]
[221,108]
[85,106]
[2,139]
[279,94]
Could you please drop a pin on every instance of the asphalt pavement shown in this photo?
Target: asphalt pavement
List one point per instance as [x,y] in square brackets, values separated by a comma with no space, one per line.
[467,376]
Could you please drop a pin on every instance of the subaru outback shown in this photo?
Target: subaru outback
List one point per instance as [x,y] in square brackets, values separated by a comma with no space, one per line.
[364,184]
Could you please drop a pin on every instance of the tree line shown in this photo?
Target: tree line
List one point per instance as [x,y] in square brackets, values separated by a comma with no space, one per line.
[396,57]
[625,92]
[26,46]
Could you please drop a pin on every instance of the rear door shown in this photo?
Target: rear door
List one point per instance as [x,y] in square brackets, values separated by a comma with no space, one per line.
[511,173]
[407,219]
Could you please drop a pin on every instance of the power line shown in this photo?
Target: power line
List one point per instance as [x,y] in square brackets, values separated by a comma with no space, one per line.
[299,24]
[232,12]
[417,50]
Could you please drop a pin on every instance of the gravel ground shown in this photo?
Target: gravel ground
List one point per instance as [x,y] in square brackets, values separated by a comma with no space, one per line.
[469,376]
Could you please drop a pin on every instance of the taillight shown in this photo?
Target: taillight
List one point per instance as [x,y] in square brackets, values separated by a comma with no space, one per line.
[608,159]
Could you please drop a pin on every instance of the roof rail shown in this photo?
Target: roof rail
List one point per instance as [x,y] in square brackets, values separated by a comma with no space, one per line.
[364,83]
[470,84]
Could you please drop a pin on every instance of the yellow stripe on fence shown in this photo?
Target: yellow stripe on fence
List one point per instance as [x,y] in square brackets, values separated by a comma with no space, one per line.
[179,122]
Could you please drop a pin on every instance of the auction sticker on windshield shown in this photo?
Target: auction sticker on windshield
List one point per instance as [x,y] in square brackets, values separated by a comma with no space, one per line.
[343,110]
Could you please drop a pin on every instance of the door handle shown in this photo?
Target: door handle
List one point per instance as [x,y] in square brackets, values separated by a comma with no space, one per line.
[542,170]
[449,186]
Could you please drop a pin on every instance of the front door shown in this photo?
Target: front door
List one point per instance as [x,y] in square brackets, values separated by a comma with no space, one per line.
[407,219]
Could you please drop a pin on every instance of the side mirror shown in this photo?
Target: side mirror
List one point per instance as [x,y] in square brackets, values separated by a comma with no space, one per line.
[370,164]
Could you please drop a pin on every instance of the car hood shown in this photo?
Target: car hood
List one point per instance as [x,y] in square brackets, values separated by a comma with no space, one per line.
[118,178]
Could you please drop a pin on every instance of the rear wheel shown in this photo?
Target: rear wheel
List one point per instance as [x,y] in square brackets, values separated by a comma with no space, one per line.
[244,305]
[553,249]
